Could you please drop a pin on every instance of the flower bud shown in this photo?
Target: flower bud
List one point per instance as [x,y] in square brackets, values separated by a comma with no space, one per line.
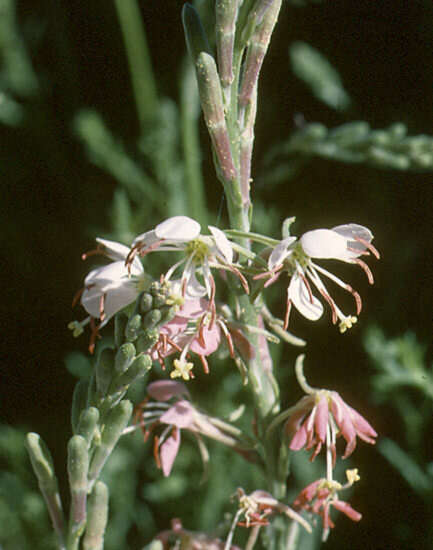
[133,328]
[146,302]
[141,365]
[116,422]
[96,517]
[152,318]
[147,340]
[104,370]
[78,463]
[124,357]
[159,300]
[88,424]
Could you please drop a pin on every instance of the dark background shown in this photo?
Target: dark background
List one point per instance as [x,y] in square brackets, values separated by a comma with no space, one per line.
[54,202]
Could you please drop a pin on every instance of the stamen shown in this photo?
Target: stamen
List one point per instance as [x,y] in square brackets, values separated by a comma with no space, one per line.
[370,247]
[331,304]
[77,296]
[242,279]
[307,284]
[94,334]
[366,269]
[95,252]
[101,307]
[204,363]
[272,279]
[228,338]
[286,316]
[357,299]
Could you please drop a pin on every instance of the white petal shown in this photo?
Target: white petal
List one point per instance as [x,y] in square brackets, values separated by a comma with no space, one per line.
[352,231]
[107,275]
[222,243]
[178,229]
[300,297]
[324,243]
[146,239]
[119,298]
[114,250]
[280,252]
[194,289]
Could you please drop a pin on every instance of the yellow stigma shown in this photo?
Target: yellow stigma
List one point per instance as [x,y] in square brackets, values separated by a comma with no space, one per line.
[181,369]
[199,249]
[352,476]
[347,322]
[76,327]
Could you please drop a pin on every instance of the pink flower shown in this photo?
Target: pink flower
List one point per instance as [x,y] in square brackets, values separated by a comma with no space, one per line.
[318,498]
[193,329]
[174,412]
[321,417]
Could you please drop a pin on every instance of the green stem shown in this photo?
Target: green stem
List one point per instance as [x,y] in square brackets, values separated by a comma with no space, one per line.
[143,82]
[190,112]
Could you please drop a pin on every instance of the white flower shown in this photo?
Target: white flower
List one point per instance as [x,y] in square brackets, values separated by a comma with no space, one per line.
[344,242]
[202,252]
[110,288]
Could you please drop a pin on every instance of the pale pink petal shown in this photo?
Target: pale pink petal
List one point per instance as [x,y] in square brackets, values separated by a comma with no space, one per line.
[168,452]
[324,243]
[178,229]
[211,339]
[298,294]
[192,309]
[321,420]
[163,390]
[280,252]
[222,243]
[363,429]
[181,415]
[299,439]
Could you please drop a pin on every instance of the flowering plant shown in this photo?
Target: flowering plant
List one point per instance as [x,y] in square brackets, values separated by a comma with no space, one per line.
[174,297]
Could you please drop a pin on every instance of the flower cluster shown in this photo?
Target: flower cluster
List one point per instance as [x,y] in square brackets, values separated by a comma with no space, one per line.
[111,288]
[172,410]
[318,498]
[196,322]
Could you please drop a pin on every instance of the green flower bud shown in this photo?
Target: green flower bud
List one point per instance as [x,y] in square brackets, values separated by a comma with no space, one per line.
[124,357]
[133,328]
[152,318]
[88,424]
[42,464]
[167,314]
[159,300]
[78,464]
[141,365]
[96,517]
[146,302]
[147,340]
[116,422]
[104,370]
